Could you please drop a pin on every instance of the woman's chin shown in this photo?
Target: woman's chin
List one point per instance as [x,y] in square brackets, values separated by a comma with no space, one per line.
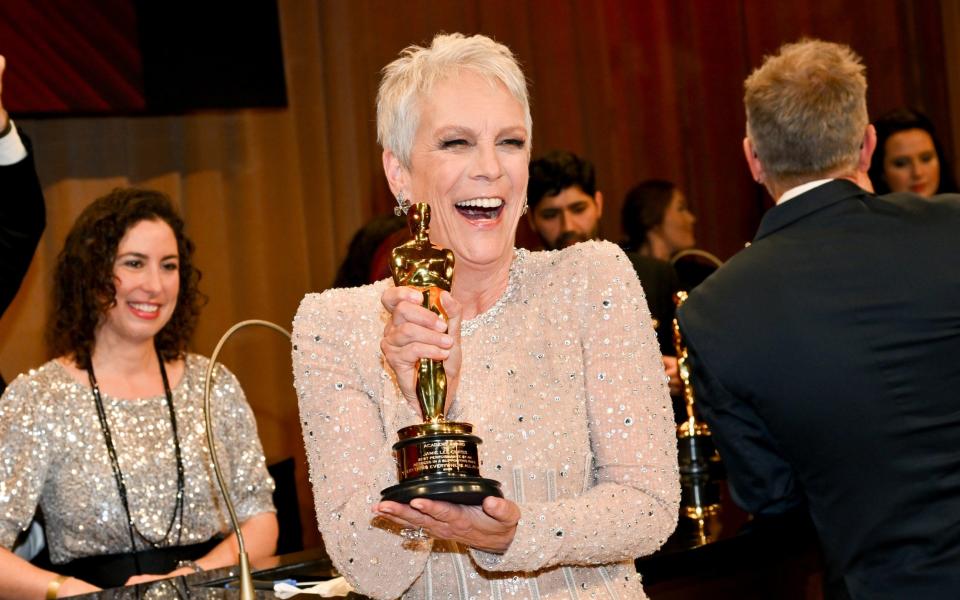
[485,253]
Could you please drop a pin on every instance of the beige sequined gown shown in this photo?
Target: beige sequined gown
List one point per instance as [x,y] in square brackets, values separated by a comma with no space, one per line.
[54,456]
[563,380]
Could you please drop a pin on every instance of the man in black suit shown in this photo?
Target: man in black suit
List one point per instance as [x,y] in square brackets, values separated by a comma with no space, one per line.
[22,215]
[827,354]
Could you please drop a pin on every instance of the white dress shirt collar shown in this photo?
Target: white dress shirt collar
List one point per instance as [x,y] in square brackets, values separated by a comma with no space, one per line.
[801,189]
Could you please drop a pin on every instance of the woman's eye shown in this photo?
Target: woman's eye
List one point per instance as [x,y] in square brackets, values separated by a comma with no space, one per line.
[133,263]
[515,142]
[171,266]
[454,143]
[900,163]
[928,157]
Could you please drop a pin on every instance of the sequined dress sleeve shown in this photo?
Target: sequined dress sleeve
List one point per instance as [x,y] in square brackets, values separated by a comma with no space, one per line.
[562,380]
[344,403]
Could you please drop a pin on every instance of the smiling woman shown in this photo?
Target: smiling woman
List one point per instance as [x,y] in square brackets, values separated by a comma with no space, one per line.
[107,439]
[551,354]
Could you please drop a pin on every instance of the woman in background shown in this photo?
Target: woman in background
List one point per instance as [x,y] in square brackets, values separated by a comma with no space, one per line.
[658,223]
[108,438]
[656,220]
[909,157]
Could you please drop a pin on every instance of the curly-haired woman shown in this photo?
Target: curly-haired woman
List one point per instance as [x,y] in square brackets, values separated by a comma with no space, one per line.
[107,439]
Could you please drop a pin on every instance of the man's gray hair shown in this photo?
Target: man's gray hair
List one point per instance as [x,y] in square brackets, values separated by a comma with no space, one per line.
[413,75]
[807,110]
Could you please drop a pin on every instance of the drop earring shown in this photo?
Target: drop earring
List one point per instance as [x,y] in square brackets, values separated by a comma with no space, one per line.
[403,205]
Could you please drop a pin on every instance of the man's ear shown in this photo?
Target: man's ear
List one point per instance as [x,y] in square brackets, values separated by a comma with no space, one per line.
[598,200]
[397,175]
[756,169]
[867,147]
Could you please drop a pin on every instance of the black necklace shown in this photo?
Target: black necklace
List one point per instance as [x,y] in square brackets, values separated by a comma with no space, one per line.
[118,474]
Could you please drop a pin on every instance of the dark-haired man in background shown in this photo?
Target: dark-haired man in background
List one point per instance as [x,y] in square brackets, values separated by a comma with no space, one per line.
[825,354]
[565,208]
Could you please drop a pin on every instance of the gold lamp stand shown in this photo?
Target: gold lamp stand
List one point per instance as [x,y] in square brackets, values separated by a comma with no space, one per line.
[246,578]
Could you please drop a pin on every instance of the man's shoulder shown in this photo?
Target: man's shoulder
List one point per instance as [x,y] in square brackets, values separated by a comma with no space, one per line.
[934,208]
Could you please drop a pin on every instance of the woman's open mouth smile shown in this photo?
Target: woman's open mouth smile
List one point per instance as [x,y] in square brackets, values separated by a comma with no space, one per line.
[480,209]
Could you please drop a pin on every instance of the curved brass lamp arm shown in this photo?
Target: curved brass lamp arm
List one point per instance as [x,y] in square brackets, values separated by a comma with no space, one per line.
[711,258]
[246,580]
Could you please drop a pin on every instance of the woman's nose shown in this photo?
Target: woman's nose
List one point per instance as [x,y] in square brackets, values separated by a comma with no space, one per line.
[916,169]
[488,163]
[151,280]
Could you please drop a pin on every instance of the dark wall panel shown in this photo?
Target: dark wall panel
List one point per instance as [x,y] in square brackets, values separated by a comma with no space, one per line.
[200,55]
[133,56]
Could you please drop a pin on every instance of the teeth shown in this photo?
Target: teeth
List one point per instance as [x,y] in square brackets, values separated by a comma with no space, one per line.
[145,307]
[481,203]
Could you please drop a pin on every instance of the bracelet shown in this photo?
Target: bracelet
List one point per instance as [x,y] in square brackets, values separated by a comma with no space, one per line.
[54,586]
[190,565]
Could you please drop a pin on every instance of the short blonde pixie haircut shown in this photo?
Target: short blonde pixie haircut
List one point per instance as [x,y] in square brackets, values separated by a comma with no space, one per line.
[418,69]
[807,110]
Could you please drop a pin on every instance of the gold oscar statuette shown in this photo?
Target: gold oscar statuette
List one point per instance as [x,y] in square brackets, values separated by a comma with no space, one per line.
[436,459]
[700,494]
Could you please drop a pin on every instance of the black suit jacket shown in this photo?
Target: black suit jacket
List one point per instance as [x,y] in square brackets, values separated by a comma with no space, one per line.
[22,219]
[827,362]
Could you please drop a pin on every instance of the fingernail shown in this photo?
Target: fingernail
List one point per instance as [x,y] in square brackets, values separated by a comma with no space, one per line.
[417,504]
[386,510]
[440,325]
[446,340]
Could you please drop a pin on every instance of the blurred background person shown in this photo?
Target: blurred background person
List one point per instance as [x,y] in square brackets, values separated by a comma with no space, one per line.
[554,352]
[658,223]
[366,260]
[563,202]
[909,156]
[22,214]
[656,220]
[108,439]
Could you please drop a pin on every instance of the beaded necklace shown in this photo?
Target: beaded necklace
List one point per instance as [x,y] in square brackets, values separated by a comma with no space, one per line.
[118,474]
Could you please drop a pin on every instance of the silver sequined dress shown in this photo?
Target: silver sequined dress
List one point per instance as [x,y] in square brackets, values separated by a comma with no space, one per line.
[54,456]
[563,381]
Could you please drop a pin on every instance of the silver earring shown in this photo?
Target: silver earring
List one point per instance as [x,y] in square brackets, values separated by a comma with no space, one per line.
[526,207]
[403,205]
